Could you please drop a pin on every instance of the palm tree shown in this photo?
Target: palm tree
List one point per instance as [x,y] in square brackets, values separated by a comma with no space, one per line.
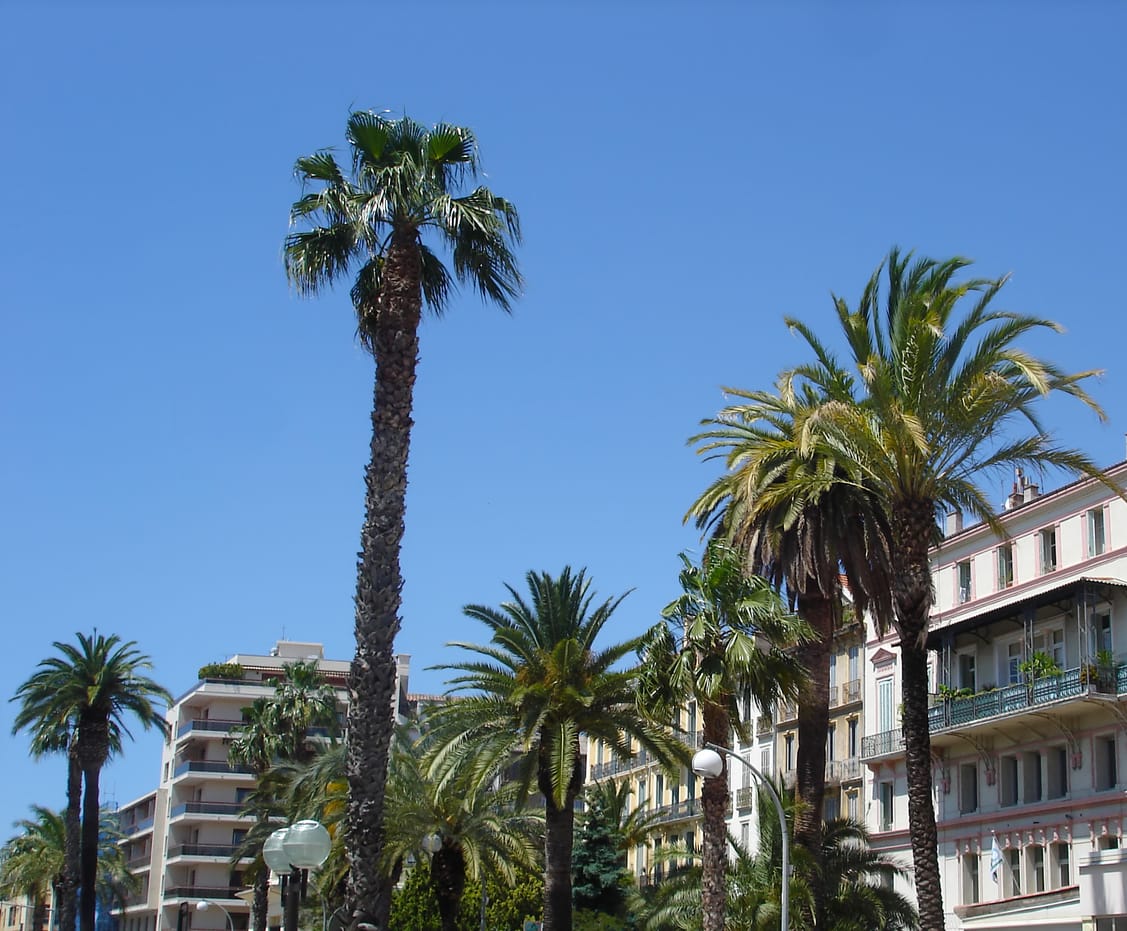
[403,186]
[303,700]
[91,688]
[466,829]
[33,863]
[725,634]
[542,682]
[931,401]
[789,508]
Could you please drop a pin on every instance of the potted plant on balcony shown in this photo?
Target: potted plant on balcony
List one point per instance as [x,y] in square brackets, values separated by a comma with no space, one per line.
[232,671]
[1038,670]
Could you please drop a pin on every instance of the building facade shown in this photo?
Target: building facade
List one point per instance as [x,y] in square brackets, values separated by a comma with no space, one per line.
[181,837]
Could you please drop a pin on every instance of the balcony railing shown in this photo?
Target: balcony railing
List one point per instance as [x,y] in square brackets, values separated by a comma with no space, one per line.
[139,862]
[851,692]
[745,797]
[203,892]
[843,770]
[764,723]
[213,725]
[788,711]
[207,808]
[614,767]
[882,744]
[834,696]
[1046,690]
[678,811]
[216,768]
[137,826]
[203,850]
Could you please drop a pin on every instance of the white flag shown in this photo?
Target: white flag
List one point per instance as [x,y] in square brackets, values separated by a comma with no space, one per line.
[995,858]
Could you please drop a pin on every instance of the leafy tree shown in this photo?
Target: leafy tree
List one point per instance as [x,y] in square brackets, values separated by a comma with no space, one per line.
[540,683]
[507,907]
[88,691]
[403,188]
[725,634]
[791,510]
[934,396]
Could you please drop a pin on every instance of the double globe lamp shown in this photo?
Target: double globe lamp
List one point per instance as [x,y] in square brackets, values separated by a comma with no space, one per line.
[290,852]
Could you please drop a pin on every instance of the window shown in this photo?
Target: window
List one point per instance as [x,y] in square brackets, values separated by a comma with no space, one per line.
[1051,643]
[1056,766]
[1062,867]
[659,862]
[968,788]
[966,671]
[851,805]
[1013,662]
[1097,542]
[1007,781]
[852,737]
[1113,923]
[1013,868]
[745,835]
[1031,786]
[642,793]
[886,810]
[1035,864]
[963,572]
[831,806]
[970,878]
[833,671]
[1047,542]
[884,704]
[789,752]
[854,663]
[238,835]
[1108,842]
[659,789]
[765,760]
[1005,566]
[1107,776]
[1101,628]
[831,734]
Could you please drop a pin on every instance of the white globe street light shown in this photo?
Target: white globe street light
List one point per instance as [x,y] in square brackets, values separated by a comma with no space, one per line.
[274,852]
[708,762]
[291,851]
[204,904]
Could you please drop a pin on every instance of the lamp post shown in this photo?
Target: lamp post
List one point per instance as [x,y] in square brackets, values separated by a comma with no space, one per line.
[204,904]
[290,852]
[707,762]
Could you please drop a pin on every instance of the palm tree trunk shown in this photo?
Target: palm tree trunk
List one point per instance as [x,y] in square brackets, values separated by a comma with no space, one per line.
[913,526]
[813,725]
[715,805]
[378,579]
[448,877]
[91,811]
[559,839]
[261,903]
[67,897]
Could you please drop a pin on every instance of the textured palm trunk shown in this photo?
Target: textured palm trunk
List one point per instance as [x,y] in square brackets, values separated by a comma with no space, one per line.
[715,804]
[913,524]
[88,901]
[448,877]
[39,913]
[813,725]
[379,581]
[67,889]
[559,838]
[261,902]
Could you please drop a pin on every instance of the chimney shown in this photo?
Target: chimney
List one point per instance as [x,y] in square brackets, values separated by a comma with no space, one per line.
[954,522]
[1030,491]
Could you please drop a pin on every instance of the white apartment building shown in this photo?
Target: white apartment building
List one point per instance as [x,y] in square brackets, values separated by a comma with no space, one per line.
[1029,634]
[181,836]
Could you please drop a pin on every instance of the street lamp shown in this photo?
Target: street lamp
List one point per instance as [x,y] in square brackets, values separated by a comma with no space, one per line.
[204,904]
[302,846]
[707,762]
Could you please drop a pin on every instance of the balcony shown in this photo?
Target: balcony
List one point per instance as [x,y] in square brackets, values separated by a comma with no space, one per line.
[210,768]
[851,692]
[884,744]
[788,711]
[225,851]
[614,767]
[137,827]
[764,724]
[846,770]
[834,696]
[207,725]
[214,893]
[1014,700]
[745,797]
[678,811]
[207,808]
[141,862]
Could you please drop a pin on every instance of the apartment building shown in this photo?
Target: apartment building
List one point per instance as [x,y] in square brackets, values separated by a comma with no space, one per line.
[180,837]
[1029,637]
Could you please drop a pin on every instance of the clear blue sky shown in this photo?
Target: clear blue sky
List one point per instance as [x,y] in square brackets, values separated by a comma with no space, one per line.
[183,438]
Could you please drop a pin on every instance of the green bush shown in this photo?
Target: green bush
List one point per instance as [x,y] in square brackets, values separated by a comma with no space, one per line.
[221,671]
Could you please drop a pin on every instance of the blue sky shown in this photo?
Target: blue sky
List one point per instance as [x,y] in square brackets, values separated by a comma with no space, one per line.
[183,437]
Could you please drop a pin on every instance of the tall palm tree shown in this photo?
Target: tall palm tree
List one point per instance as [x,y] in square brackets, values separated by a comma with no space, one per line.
[541,682]
[404,186]
[92,688]
[473,829]
[789,508]
[934,396]
[303,700]
[725,634]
